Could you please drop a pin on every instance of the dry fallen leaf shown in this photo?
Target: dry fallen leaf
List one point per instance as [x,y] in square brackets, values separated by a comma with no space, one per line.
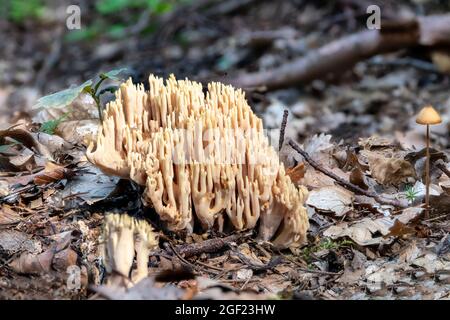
[364,232]
[357,178]
[90,187]
[332,198]
[78,131]
[27,139]
[296,173]
[4,188]
[52,173]
[440,204]
[314,179]
[375,142]
[352,161]
[410,253]
[24,161]
[412,139]
[369,231]
[319,148]
[432,263]
[8,216]
[353,270]
[399,229]
[390,171]
[12,241]
[64,259]
[53,143]
[28,263]
[83,107]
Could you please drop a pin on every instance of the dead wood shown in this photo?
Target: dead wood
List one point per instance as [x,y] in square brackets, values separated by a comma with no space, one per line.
[208,246]
[274,261]
[347,51]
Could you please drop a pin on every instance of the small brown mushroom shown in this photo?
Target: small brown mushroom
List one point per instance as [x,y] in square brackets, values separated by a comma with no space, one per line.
[428,116]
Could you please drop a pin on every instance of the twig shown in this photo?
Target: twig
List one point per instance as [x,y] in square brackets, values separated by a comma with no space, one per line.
[189,264]
[283,129]
[208,246]
[348,185]
[208,266]
[258,267]
[182,260]
[245,283]
[436,218]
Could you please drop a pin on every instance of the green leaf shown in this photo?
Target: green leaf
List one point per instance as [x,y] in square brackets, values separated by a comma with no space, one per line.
[50,126]
[113,74]
[88,33]
[19,10]
[111,6]
[62,98]
[117,31]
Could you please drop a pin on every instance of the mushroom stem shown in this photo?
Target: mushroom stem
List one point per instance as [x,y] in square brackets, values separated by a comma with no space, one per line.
[142,258]
[427,175]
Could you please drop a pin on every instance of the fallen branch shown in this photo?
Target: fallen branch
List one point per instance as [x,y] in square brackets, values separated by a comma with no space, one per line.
[186,263]
[347,51]
[348,185]
[274,261]
[208,246]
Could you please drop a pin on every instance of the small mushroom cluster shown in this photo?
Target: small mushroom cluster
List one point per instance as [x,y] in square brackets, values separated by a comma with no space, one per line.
[123,236]
[203,158]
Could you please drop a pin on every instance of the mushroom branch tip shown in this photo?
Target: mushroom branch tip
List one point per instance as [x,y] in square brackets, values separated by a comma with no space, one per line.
[202,157]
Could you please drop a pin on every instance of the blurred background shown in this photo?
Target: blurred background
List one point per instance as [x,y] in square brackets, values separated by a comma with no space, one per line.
[222,40]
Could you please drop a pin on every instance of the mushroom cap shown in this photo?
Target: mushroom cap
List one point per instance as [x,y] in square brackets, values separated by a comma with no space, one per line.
[428,115]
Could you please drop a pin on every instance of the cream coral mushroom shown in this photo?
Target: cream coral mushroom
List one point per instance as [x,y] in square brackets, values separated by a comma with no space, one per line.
[201,157]
[123,235]
[144,241]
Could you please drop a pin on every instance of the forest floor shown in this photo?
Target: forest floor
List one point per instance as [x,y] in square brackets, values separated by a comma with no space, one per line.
[358,124]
